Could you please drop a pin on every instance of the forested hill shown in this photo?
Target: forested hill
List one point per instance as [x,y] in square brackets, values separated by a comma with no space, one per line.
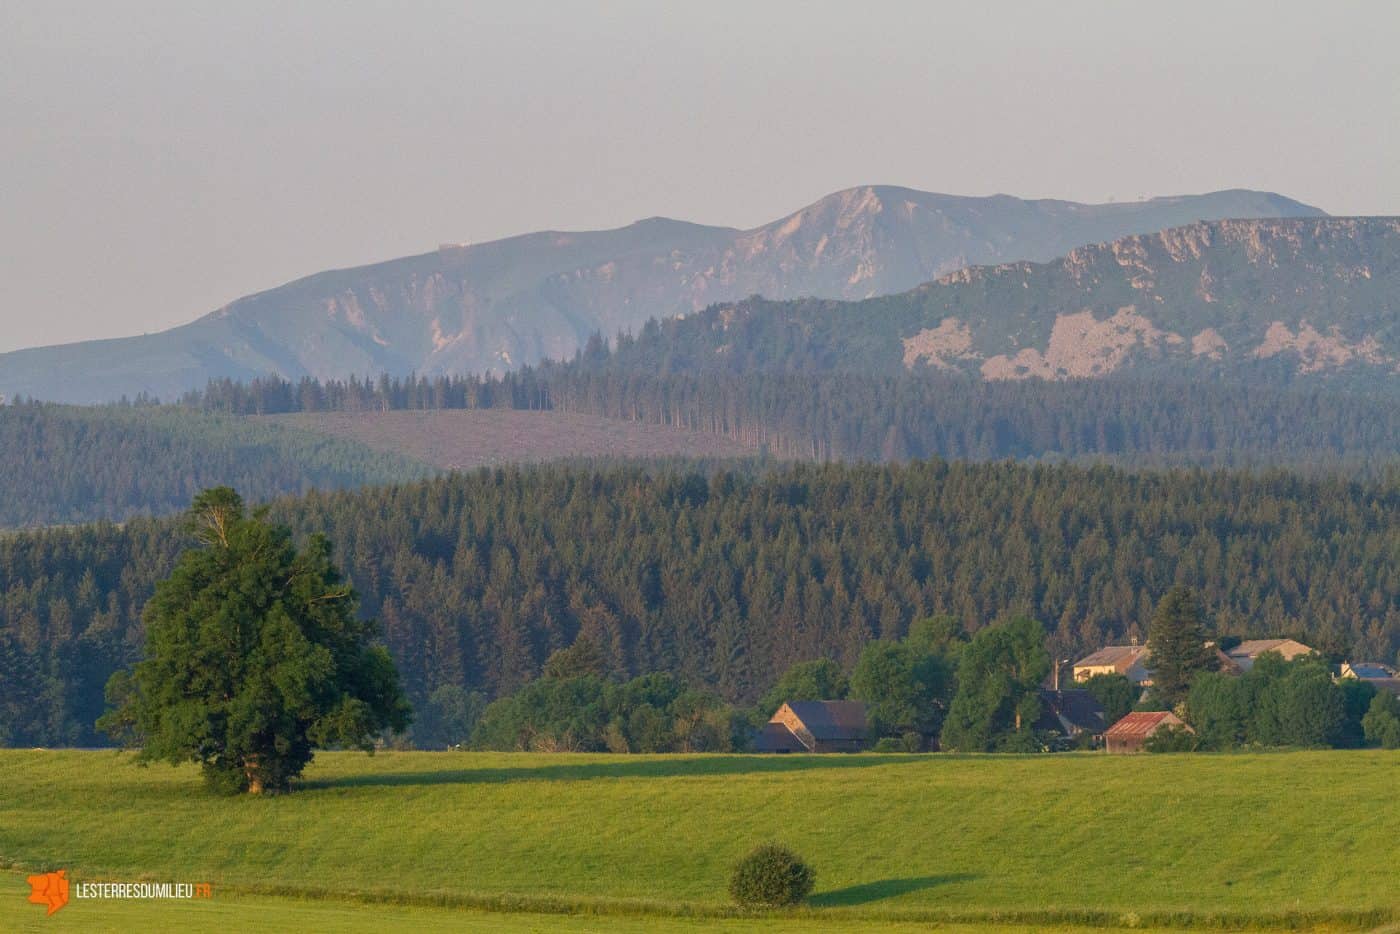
[1265,342]
[726,580]
[1313,428]
[1273,301]
[61,465]
[498,305]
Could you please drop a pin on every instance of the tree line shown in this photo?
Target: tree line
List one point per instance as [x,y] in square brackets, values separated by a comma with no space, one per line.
[65,464]
[725,579]
[822,414]
[941,688]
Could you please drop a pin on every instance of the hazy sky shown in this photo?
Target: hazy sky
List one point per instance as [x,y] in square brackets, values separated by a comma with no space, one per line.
[160,159]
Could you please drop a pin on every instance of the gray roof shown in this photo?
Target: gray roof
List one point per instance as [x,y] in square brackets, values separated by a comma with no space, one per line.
[1372,670]
[1079,708]
[774,737]
[831,720]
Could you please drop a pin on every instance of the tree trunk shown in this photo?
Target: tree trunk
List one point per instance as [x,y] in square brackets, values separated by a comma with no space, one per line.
[255,783]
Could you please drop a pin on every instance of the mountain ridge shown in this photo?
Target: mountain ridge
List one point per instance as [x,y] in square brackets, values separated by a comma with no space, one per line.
[535,296]
[1279,298]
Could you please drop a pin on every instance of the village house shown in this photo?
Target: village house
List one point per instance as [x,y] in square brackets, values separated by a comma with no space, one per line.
[1129,734]
[1130,661]
[815,726]
[1134,661]
[1070,713]
[1381,677]
[1247,652]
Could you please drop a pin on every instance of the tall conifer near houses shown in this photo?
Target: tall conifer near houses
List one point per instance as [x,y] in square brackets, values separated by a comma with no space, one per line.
[1178,646]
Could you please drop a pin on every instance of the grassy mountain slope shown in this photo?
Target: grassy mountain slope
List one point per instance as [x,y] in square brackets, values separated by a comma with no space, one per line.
[61,465]
[501,304]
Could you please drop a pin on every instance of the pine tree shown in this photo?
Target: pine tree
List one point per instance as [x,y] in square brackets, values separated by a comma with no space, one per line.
[1177,641]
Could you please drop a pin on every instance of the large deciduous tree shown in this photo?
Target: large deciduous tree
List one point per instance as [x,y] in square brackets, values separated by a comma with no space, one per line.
[1382,721]
[818,679]
[254,657]
[999,675]
[904,686]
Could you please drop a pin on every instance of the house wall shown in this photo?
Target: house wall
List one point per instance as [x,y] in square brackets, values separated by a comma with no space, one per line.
[1134,743]
[1289,650]
[1085,672]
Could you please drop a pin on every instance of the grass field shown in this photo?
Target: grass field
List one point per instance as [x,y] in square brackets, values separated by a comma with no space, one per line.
[330,916]
[466,439]
[645,843]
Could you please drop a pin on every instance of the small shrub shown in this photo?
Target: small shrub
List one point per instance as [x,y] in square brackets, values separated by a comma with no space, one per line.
[906,742]
[771,877]
[1171,739]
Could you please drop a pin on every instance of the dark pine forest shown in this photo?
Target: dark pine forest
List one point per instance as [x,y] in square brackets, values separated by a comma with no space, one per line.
[724,579]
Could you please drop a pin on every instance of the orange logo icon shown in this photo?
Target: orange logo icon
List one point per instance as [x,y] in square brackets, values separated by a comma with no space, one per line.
[50,889]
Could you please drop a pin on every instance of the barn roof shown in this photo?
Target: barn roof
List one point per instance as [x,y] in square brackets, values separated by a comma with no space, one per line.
[831,720]
[1141,724]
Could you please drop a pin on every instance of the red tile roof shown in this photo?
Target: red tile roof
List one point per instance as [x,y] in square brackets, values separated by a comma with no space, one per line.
[1141,724]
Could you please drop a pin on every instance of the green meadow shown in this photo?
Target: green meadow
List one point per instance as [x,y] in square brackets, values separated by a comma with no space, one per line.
[488,841]
[254,913]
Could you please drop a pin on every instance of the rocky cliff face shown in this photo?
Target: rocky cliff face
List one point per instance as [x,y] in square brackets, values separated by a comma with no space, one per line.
[1310,296]
[497,305]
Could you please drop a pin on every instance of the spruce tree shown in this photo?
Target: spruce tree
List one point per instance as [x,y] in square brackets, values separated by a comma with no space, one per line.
[1177,641]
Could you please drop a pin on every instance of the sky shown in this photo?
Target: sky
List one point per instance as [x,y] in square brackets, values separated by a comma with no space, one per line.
[161,159]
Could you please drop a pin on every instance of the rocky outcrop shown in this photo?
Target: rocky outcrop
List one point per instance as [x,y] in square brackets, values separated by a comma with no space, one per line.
[1083,346]
[1318,294]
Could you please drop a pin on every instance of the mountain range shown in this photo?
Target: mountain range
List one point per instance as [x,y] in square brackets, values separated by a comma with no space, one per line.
[1276,300]
[494,306]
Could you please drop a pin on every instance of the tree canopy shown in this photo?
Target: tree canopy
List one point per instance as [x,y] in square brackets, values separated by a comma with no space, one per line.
[254,657]
[997,700]
[727,579]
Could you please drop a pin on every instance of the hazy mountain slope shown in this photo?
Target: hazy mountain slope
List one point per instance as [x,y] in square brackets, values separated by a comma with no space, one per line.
[466,439]
[1273,300]
[499,304]
[61,465]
